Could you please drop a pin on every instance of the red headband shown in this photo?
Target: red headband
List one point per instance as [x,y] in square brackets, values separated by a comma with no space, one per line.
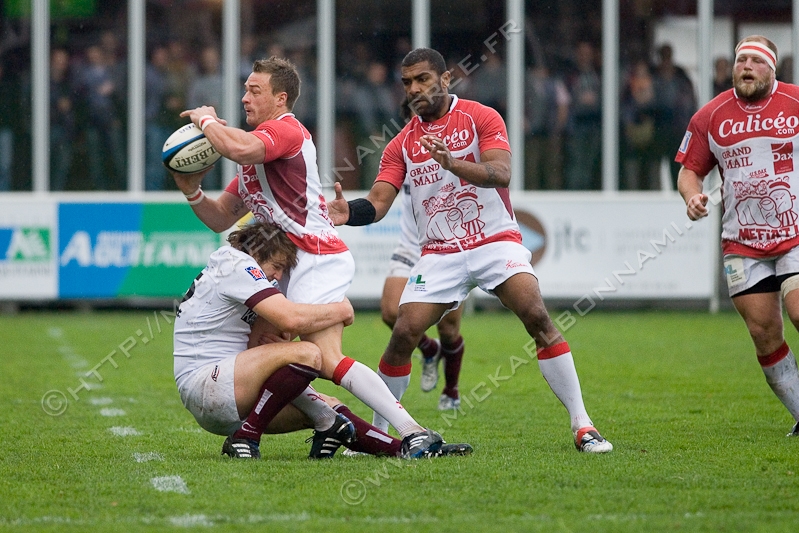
[758,49]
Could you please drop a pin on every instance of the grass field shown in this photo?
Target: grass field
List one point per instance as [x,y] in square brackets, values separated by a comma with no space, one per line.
[699,439]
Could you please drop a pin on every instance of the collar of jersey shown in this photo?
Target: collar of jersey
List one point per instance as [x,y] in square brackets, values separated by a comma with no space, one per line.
[451,107]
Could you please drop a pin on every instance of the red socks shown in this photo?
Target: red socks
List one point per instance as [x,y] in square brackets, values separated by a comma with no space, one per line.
[370,439]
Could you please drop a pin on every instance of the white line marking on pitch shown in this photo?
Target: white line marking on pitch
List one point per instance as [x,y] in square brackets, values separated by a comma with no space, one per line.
[112,411]
[120,431]
[100,401]
[191,520]
[149,456]
[170,484]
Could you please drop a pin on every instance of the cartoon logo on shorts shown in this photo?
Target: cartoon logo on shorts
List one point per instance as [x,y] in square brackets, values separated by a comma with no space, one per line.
[256,273]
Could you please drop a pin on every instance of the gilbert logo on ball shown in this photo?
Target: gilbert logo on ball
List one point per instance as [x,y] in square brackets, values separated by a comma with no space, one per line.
[188,151]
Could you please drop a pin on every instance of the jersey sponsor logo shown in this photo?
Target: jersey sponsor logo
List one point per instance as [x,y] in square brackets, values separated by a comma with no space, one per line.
[500,137]
[454,217]
[754,123]
[765,210]
[256,273]
[249,317]
[761,173]
[425,175]
[782,154]
[454,140]
[685,140]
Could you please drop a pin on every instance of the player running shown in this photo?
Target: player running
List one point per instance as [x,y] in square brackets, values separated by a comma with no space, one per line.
[751,133]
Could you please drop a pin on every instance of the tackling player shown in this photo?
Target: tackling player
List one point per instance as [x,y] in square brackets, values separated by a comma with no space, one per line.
[234,384]
[278,181]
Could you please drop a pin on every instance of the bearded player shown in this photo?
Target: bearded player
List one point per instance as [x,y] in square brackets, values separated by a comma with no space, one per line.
[751,133]
[456,157]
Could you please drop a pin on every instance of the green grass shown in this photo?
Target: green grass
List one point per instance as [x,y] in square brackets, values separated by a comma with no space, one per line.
[699,439]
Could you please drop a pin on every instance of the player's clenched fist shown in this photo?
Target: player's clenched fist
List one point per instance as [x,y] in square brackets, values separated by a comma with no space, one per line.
[697,206]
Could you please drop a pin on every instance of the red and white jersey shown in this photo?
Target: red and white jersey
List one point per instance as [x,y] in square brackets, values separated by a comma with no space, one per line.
[451,214]
[214,319]
[753,145]
[409,240]
[285,189]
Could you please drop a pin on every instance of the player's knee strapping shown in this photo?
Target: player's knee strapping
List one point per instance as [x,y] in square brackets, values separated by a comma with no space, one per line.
[789,285]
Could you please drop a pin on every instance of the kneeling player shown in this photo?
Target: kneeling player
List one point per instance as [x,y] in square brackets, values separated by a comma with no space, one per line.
[236,390]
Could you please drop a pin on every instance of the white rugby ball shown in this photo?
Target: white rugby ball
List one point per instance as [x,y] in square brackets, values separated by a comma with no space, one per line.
[188,151]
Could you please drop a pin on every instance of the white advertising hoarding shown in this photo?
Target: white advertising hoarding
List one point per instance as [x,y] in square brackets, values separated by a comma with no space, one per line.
[622,246]
[28,268]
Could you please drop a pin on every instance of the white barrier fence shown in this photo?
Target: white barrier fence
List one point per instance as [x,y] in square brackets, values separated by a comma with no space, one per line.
[586,246]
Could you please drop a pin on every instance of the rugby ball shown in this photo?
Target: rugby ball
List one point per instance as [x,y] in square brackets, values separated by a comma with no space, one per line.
[188,151]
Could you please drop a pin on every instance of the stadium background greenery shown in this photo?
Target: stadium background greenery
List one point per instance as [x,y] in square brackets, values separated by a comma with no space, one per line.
[699,439]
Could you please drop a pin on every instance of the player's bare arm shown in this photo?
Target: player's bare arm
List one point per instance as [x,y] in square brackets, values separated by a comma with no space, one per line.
[233,143]
[219,214]
[689,183]
[381,196]
[491,172]
[301,319]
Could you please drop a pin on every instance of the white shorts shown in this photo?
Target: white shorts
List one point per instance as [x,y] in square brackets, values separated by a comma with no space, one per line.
[208,394]
[743,273]
[402,261]
[319,279]
[445,278]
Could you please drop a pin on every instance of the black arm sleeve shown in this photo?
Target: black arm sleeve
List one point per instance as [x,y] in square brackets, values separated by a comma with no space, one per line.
[362,212]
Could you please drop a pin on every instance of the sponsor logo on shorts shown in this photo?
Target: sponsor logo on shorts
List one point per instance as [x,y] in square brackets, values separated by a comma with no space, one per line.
[418,282]
[509,264]
[215,373]
[256,273]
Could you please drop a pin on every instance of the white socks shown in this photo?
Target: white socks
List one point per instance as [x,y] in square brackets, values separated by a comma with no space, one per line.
[562,378]
[783,378]
[315,408]
[365,384]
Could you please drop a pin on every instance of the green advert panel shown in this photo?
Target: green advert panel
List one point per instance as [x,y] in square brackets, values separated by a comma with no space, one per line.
[174,248]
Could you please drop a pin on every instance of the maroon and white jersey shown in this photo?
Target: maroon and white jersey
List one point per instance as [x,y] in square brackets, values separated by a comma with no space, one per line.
[285,189]
[753,145]
[215,317]
[451,214]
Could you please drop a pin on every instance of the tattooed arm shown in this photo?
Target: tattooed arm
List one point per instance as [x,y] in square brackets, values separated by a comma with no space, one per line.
[492,171]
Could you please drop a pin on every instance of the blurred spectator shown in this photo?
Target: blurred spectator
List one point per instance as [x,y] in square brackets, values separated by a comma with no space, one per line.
[305,108]
[639,110]
[180,74]
[10,97]
[675,94]
[785,69]
[377,101]
[488,84]
[104,136]
[158,121]
[722,75]
[207,89]
[584,143]
[377,107]
[547,111]
[62,119]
